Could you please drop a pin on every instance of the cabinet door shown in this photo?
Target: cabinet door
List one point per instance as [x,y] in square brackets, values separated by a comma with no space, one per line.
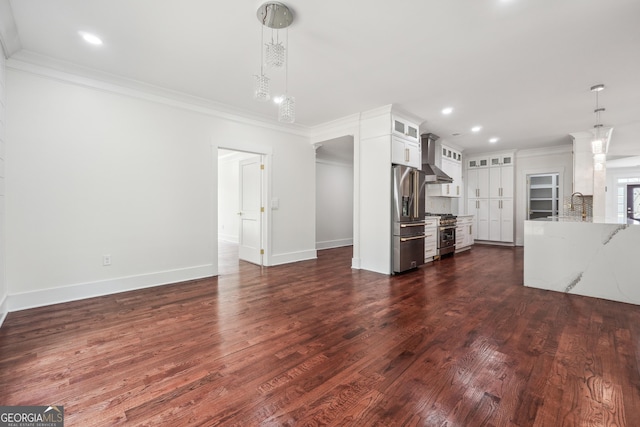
[478,183]
[506,181]
[414,155]
[398,154]
[406,153]
[495,183]
[405,128]
[479,208]
[501,220]
[483,182]
[506,219]
[470,233]
[478,162]
[430,243]
[472,184]
[495,220]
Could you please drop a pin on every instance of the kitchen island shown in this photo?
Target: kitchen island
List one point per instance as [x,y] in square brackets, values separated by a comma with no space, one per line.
[584,258]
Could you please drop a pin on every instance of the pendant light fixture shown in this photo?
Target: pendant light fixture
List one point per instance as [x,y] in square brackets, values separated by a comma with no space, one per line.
[262,92]
[276,16]
[598,143]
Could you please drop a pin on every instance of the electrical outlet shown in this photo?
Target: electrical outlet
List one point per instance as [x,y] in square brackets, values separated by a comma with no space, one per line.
[106,260]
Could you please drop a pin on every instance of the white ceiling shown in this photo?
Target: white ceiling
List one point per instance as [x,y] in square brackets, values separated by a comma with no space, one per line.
[520,68]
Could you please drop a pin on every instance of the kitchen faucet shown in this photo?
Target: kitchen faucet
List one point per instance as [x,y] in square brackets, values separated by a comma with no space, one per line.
[584,208]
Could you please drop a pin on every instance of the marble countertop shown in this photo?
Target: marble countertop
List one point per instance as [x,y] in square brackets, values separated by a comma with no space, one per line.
[587,220]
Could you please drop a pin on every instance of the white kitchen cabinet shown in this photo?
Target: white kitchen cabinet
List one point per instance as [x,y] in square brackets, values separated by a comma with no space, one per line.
[450,161]
[478,183]
[479,208]
[464,233]
[406,152]
[430,239]
[501,182]
[501,220]
[477,162]
[405,129]
[490,195]
[501,159]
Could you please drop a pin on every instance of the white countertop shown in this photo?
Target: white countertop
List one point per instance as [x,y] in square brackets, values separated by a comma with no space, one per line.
[587,220]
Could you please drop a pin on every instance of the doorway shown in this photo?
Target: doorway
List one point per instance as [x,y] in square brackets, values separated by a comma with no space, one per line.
[633,202]
[240,212]
[335,193]
[543,195]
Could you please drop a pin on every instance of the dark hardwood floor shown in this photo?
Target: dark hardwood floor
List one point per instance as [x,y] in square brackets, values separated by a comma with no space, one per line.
[459,342]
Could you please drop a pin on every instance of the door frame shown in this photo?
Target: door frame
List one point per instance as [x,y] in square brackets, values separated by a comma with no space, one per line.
[265,194]
[629,192]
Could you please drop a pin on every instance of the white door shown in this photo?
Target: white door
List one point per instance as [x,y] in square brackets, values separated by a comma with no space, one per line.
[250,210]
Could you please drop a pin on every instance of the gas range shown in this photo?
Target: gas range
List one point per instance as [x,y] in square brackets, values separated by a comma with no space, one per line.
[446,232]
[444,219]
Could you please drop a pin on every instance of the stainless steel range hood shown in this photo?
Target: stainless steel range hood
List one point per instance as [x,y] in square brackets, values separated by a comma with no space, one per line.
[433,174]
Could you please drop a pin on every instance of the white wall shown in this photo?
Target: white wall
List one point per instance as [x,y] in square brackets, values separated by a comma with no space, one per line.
[3,285]
[97,172]
[536,161]
[334,204]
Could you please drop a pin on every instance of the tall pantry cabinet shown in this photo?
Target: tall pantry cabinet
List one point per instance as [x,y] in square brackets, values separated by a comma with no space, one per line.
[490,196]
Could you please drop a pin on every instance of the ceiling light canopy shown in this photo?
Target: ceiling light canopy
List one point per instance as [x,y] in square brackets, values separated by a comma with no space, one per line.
[275,16]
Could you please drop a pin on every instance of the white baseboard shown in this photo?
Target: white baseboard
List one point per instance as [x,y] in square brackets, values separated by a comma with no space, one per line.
[279,259]
[4,309]
[338,243]
[228,237]
[80,291]
[493,243]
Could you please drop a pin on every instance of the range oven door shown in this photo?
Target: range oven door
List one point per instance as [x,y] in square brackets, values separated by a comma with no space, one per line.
[446,240]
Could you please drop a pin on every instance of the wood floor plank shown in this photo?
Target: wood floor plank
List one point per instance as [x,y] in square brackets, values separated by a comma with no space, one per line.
[458,342]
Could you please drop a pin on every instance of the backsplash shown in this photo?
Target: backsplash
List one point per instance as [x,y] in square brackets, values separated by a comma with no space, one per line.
[435,204]
[576,209]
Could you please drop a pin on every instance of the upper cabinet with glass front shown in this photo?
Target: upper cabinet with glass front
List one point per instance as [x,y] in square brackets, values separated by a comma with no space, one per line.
[406,129]
[501,160]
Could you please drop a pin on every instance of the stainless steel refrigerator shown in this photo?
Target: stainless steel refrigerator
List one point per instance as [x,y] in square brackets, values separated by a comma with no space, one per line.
[408,200]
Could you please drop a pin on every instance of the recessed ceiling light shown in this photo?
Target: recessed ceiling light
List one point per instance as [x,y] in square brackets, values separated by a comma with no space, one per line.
[447,110]
[476,128]
[278,99]
[493,140]
[90,38]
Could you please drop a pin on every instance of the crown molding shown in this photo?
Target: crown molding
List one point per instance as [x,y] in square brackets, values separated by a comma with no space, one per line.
[545,151]
[44,66]
[348,125]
